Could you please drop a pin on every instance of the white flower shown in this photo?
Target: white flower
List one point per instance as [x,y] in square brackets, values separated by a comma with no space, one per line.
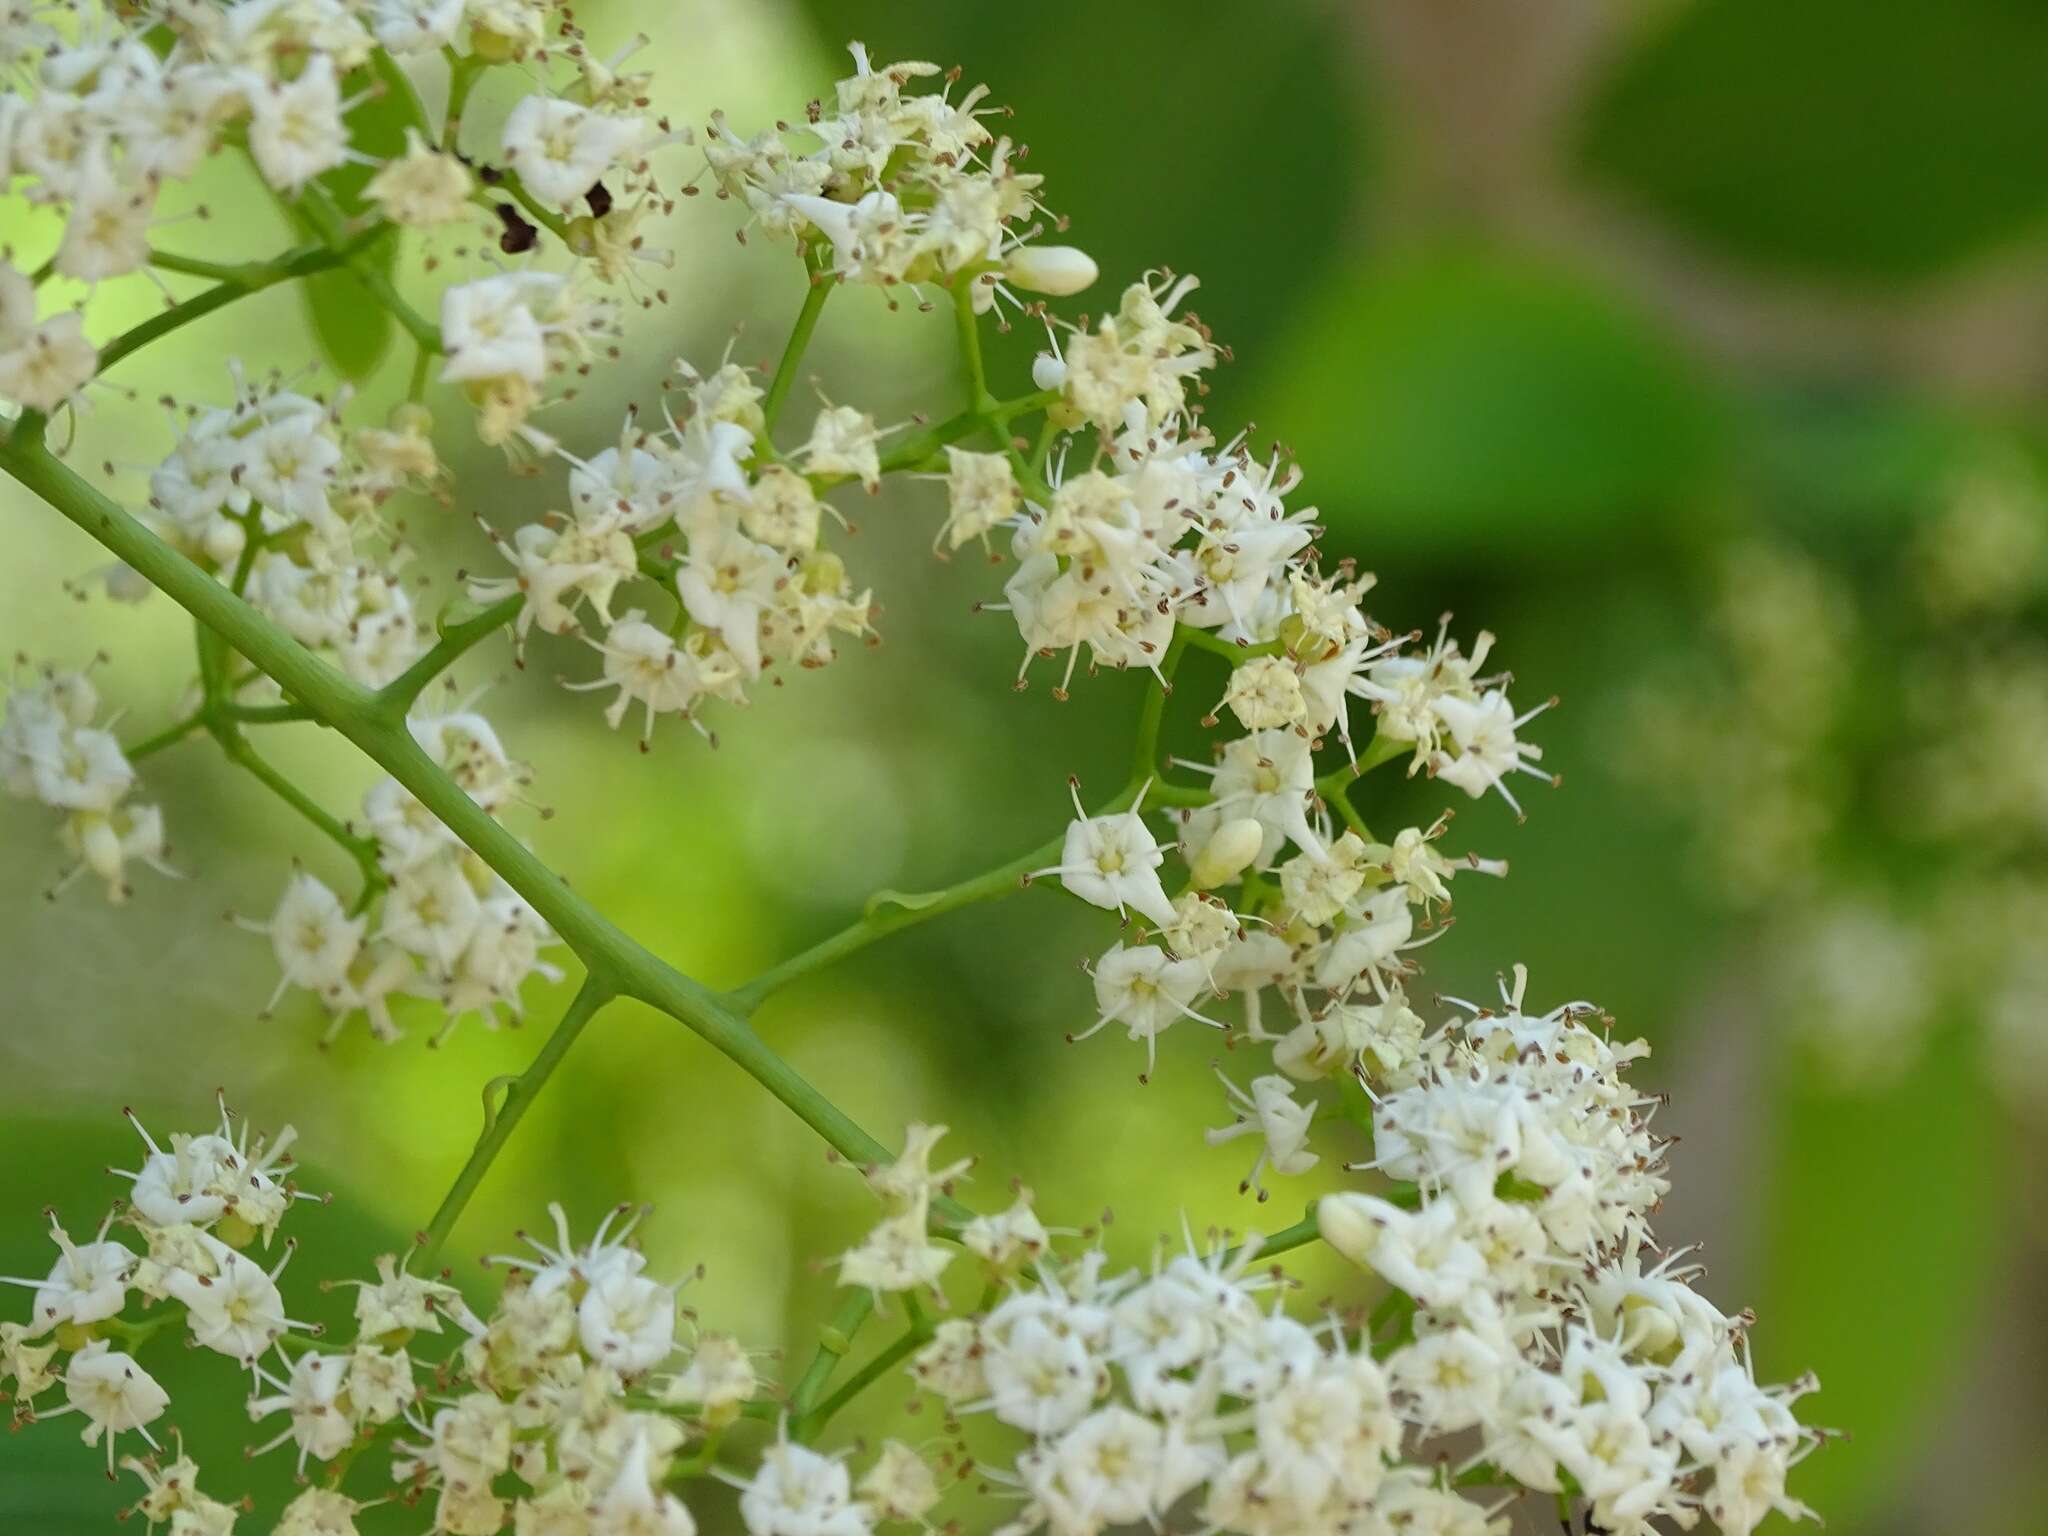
[1146,990]
[422,187]
[1452,1379]
[1265,692]
[235,1309]
[1041,1374]
[202,1180]
[560,150]
[107,234]
[296,129]
[1113,862]
[1270,1111]
[727,582]
[491,330]
[316,1512]
[1423,1253]
[49,365]
[897,1255]
[627,1321]
[313,936]
[379,1383]
[563,1265]
[634,1504]
[900,1485]
[318,1426]
[87,1284]
[981,495]
[1104,1471]
[797,1492]
[842,442]
[402,1303]
[1488,749]
[414,26]
[1008,1239]
[719,1378]
[113,1392]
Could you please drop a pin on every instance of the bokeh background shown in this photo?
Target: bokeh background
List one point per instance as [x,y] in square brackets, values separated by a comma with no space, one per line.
[1665,340]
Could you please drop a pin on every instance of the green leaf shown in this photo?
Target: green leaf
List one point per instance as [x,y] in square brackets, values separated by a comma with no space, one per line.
[53,1484]
[1885,1219]
[1880,141]
[1454,402]
[353,329]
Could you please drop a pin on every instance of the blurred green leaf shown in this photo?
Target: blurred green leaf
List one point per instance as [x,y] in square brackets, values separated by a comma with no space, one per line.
[54,1485]
[1839,461]
[1255,197]
[1870,141]
[1454,402]
[1885,1218]
[353,329]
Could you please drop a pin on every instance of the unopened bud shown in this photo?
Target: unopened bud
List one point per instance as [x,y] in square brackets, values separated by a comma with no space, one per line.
[1059,270]
[1228,853]
[1351,1223]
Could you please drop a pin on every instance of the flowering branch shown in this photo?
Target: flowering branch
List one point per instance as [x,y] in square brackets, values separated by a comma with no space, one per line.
[1511,1172]
[376,724]
[235,282]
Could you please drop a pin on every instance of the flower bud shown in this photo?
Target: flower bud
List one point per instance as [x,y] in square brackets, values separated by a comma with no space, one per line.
[1228,853]
[1350,1223]
[1059,270]
[1048,371]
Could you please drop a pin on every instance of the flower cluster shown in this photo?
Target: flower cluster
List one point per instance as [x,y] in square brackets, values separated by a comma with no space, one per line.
[42,364]
[107,120]
[708,509]
[196,1206]
[1760,744]
[563,1409]
[273,496]
[1520,1316]
[903,186]
[1530,1337]
[436,921]
[52,753]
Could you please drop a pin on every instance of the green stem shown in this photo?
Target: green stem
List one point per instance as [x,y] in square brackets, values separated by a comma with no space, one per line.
[873,1371]
[193,266]
[266,714]
[1229,650]
[519,1097]
[968,332]
[1286,1240]
[318,210]
[912,451]
[822,284]
[1145,755]
[169,736]
[376,724]
[398,695]
[833,1344]
[892,911]
[253,278]
[464,70]
[361,849]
